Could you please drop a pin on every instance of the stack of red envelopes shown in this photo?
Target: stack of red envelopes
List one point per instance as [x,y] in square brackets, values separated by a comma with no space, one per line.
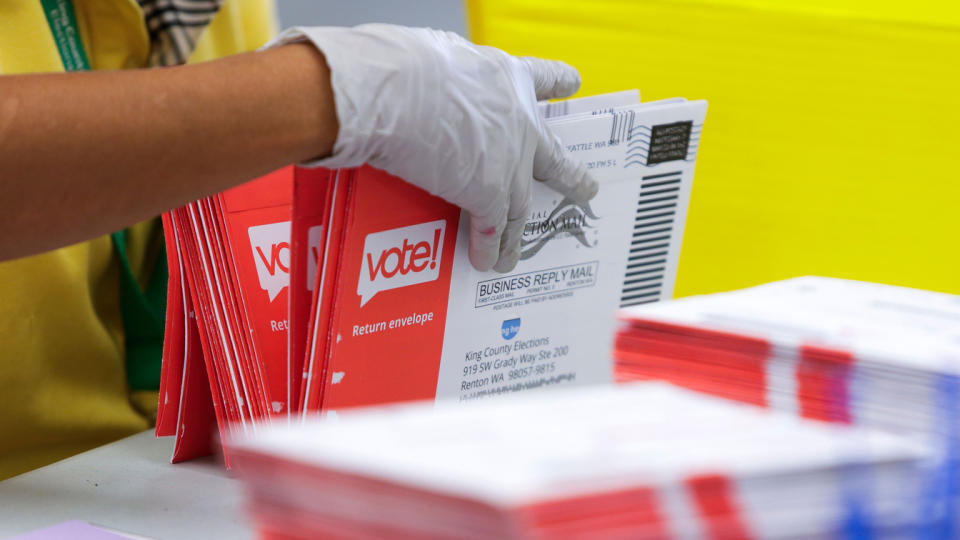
[225,350]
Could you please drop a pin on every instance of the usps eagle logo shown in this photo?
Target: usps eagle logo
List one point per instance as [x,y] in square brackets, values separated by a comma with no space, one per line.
[567,219]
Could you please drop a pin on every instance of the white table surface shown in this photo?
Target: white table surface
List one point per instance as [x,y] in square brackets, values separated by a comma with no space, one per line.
[129,486]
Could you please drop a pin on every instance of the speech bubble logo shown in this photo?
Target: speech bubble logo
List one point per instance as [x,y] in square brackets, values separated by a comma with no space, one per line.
[270,245]
[400,258]
[314,239]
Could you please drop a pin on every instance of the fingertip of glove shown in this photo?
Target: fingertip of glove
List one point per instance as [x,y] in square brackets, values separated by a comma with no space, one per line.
[505,266]
[568,79]
[584,190]
[590,188]
[552,78]
[572,180]
[507,261]
[484,247]
[481,260]
[565,80]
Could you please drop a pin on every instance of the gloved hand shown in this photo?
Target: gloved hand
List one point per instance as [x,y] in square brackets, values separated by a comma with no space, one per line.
[456,119]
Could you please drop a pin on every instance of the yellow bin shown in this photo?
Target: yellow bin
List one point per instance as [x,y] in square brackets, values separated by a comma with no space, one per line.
[832,141]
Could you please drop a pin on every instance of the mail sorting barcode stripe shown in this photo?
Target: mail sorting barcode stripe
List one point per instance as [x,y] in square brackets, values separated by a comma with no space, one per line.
[622,127]
[650,245]
[558,108]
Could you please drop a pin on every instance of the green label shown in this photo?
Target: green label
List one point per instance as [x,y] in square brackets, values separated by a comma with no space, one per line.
[66,34]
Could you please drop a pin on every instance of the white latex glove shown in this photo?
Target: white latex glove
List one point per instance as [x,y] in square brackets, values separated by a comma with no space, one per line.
[456,119]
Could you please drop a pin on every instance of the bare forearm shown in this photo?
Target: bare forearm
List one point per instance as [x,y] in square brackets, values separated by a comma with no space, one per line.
[82,154]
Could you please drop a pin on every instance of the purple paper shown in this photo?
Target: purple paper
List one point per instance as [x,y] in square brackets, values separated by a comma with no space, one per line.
[72,530]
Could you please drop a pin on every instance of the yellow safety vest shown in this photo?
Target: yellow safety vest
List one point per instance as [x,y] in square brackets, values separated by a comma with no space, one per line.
[63,388]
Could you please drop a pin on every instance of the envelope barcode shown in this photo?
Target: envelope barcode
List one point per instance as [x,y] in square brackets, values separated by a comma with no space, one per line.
[621,129]
[554,109]
[650,245]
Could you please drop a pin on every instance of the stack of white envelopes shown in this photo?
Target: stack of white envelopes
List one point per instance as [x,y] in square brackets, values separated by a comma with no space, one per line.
[839,351]
[633,461]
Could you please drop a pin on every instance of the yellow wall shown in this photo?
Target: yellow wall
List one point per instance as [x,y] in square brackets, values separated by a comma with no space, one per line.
[832,141]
